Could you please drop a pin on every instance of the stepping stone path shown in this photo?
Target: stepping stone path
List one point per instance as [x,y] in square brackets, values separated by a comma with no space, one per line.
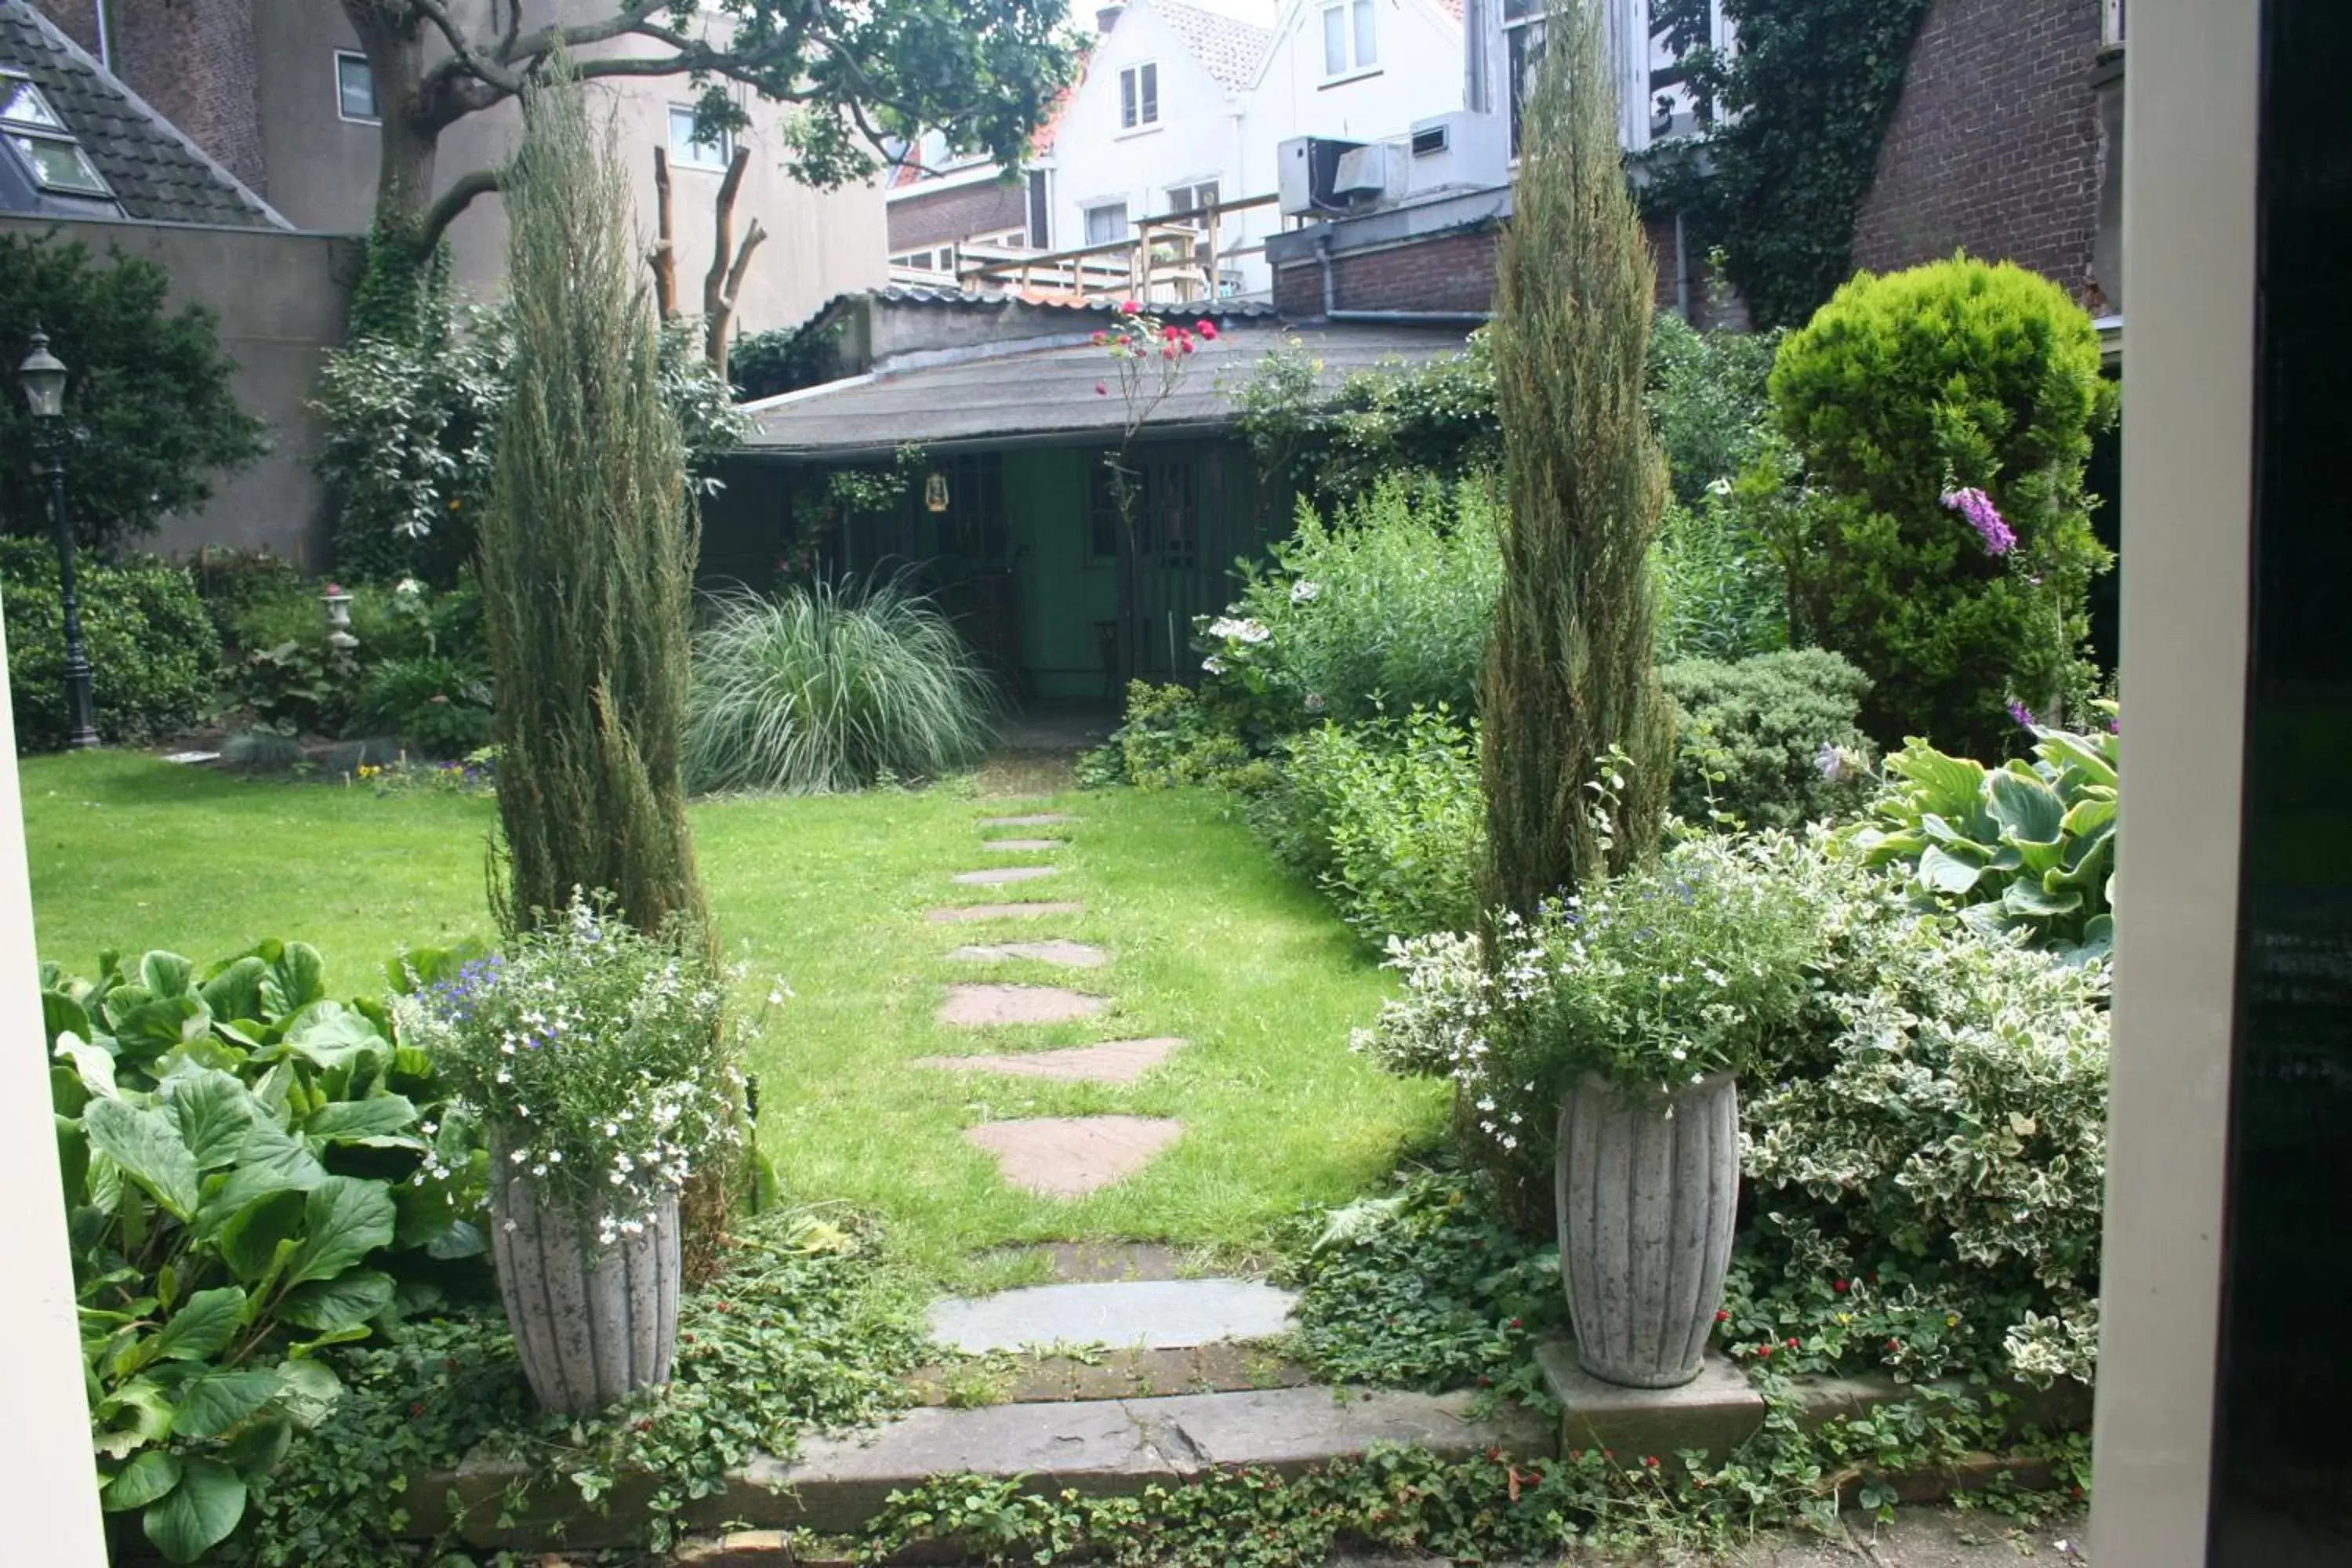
[1119,1062]
[959,913]
[1068,1157]
[1023,843]
[1068,954]
[980,1006]
[1034,819]
[1143,1314]
[997,875]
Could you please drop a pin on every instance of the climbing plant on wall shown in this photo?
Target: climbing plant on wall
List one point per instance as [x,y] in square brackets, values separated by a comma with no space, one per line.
[1803,105]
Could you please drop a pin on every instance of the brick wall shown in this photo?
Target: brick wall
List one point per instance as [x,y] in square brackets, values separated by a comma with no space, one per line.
[1445,272]
[1995,145]
[197,61]
[77,19]
[945,218]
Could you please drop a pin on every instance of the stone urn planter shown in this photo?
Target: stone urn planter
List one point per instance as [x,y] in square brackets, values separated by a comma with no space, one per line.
[594,1322]
[1648,1190]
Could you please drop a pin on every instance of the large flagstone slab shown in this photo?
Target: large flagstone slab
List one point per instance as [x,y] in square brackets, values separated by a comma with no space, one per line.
[956,914]
[997,876]
[1068,1157]
[980,1006]
[1058,951]
[1137,1314]
[1115,1061]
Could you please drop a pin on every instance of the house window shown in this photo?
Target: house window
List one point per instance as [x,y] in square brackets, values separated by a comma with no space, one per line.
[1193,198]
[40,138]
[1350,37]
[1106,223]
[2112,30]
[1040,211]
[1139,96]
[973,526]
[687,152]
[1523,41]
[1167,517]
[355,89]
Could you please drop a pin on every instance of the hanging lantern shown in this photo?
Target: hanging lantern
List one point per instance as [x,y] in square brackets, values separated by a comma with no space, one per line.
[935,493]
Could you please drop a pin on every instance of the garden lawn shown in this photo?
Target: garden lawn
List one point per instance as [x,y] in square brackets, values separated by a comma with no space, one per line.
[1208,940]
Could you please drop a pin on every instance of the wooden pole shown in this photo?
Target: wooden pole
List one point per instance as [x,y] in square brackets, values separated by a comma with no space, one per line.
[665,253]
[729,262]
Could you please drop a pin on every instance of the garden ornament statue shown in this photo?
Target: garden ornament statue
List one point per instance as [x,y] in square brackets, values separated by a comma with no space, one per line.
[43,378]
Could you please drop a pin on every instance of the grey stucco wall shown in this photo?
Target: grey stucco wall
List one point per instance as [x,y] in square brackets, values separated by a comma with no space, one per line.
[279,300]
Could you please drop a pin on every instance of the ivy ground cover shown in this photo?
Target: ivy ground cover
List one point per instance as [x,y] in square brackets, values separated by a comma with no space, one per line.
[823,901]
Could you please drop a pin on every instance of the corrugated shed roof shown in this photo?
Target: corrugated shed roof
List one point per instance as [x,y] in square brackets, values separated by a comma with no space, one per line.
[1048,395]
[1231,48]
[155,172]
[918,294]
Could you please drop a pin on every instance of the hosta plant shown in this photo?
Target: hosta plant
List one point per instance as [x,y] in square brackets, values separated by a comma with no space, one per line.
[244,1162]
[2027,847]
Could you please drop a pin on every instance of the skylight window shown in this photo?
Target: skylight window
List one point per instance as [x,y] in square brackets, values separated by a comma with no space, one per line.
[39,137]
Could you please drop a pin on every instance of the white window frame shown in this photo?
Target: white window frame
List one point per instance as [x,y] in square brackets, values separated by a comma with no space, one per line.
[343,113]
[1185,194]
[691,154]
[2111,23]
[1087,211]
[48,129]
[1132,100]
[1355,62]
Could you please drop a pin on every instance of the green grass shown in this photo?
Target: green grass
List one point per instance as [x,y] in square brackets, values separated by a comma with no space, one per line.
[1209,940]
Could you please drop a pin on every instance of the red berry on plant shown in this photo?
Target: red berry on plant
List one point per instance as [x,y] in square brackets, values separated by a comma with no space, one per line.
[1839,1286]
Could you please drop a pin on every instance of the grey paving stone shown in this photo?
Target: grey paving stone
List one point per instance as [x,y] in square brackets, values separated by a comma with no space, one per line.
[1039,844]
[1717,1412]
[839,1483]
[997,876]
[1290,1428]
[1068,1157]
[1060,950]
[1035,910]
[1028,819]
[1116,1061]
[1081,1262]
[1143,1314]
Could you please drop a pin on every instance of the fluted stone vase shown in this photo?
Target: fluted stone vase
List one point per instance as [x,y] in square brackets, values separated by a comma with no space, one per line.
[594,1324]
[1648,1190]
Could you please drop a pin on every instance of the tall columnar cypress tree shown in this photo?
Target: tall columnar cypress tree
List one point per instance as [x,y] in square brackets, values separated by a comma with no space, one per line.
[587,548]
[1569,678]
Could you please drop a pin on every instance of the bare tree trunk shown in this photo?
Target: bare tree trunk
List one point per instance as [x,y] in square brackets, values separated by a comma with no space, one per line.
[724,281]
[665,252]
[396,56]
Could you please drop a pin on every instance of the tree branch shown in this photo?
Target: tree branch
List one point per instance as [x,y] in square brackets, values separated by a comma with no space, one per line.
[451,202]
[461,49]
[722,320]
[718,298]
[665,252]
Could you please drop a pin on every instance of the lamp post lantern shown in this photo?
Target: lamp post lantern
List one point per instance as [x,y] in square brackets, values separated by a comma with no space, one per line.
[43,378]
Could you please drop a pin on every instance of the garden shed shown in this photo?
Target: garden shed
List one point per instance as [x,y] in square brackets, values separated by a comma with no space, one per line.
[972,429]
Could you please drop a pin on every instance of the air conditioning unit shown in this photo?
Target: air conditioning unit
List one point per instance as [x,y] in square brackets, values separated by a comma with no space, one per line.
[1370,176]
[1461,150]
[1307,170]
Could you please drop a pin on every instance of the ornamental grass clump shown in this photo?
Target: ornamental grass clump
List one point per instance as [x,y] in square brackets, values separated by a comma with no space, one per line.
[825,688]
[594,1056]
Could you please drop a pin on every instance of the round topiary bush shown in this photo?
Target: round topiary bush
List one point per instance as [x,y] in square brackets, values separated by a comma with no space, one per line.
[1769,740]
[1944,415]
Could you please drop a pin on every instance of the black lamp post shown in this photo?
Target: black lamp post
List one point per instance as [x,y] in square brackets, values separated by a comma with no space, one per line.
[44,376]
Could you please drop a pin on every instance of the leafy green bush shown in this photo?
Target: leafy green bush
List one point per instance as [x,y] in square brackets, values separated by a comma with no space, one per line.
[2027,848]
[1721,591]
[1388,819]
[1944,415]
[252,1172]
[1931,1198]
[153,649]
[436,706]
[150,413]
[1386,607]
[1164,742]
[1433,421]
[1710,399]
[1770,740]
[826,688]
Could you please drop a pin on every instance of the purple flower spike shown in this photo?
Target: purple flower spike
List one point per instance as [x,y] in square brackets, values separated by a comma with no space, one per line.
[2022,714]
[1977,507]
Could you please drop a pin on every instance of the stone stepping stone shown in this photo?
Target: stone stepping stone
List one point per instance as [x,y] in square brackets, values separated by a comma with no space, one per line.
[979,1006]
[1141,1314]
[1034,819]
[959,913]
[1068,1157]
[1059,950]
[1119,1061]
[996,875]
[1023,843]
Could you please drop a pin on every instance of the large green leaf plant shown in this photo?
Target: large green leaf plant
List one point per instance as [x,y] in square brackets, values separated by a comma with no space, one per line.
[253,1171]
[2026,847]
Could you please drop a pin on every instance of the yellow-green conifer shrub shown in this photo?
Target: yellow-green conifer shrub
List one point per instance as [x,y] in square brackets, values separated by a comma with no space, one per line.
[1945,414]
